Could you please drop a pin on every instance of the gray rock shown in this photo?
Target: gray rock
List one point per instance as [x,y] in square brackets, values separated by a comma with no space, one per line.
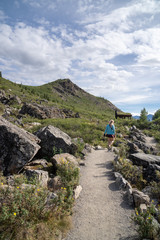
[127,128]
[54,184]
[140,198]
[87,149]
[129,196]
[82,163]
[133,128]
[53,138]
[17,147]
[43,112]
[42,162]
[64,158]
[148,190]
[40,111]
[141,141]
[150,164]
[77,191]
[41,176]
[142,159]
[121,181]
[98,147]
[8,99]
[133,148]
[49,203]
[143,207]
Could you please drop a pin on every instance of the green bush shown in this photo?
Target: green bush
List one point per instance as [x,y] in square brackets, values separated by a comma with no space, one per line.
[155,186]
[147,227]
[130,172]
[70,177]
[23,213]
[21,207]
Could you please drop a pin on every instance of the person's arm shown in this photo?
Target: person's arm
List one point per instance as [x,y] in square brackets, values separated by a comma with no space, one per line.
[113,129]
[105,130]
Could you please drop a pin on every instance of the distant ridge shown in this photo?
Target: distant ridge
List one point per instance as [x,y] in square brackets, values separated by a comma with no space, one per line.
[63,94]
[149,117]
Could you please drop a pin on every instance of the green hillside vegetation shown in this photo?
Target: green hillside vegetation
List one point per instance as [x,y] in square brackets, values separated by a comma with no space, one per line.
[95,112]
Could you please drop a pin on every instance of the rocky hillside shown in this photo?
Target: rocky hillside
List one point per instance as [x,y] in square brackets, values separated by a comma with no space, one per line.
[58,99]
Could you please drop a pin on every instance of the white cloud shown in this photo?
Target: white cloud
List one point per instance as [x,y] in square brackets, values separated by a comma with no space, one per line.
[36,55]
[2,16]
[49,4]
[33,51]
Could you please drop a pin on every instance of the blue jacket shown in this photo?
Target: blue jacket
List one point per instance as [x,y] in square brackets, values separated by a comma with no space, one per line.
[109,130]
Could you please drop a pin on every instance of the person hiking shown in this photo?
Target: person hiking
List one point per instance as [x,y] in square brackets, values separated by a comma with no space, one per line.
[110,130]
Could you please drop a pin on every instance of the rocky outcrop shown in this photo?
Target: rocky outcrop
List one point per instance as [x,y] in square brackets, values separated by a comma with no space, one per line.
[43,112]
[150,164]
[52,139]
[133,195]
[41,176]
[17,147]
[133,148]
[10,99]
[142,159]
[140,198]
[140,142]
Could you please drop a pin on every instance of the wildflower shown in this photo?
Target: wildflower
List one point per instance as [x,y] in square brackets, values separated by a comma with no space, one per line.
[62,188]
[2,183]
[14,213]
[38,190]
[137,213]
[17,187]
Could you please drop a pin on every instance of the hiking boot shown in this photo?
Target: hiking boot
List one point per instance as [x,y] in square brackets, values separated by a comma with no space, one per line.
[109,149]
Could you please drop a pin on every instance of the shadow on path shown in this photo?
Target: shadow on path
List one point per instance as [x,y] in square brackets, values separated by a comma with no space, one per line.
[130,238]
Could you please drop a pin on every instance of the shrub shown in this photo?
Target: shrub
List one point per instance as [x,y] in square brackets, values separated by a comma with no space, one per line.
[21,208]
[155,186]
[70,177]
[130,172]
[23,213]
[147,225]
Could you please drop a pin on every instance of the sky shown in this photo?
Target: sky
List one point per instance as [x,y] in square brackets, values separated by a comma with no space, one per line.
[109,48]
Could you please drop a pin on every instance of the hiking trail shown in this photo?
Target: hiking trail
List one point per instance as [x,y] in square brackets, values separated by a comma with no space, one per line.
[101,212]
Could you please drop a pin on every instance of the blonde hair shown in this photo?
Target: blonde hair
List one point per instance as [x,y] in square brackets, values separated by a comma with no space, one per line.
[111,122]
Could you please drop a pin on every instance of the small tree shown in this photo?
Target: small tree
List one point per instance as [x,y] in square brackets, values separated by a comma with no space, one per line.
[143,116]
[143,119]
[156,115]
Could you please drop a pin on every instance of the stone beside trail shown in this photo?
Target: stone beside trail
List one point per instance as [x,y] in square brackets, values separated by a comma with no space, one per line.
[101,212]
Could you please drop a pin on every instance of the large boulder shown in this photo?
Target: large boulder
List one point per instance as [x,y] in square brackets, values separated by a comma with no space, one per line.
[137,134]
[58,159]
[43,112]
[41,176]
[143,142]
[17,147]
[142,159]
[10,99]
[133,148]
[150,164]
[53,139]
[140,198]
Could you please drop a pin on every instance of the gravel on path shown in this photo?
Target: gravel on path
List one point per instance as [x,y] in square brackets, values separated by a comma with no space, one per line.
[101,212]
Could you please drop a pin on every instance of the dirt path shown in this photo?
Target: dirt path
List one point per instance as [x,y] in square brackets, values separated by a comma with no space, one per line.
[101,213]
